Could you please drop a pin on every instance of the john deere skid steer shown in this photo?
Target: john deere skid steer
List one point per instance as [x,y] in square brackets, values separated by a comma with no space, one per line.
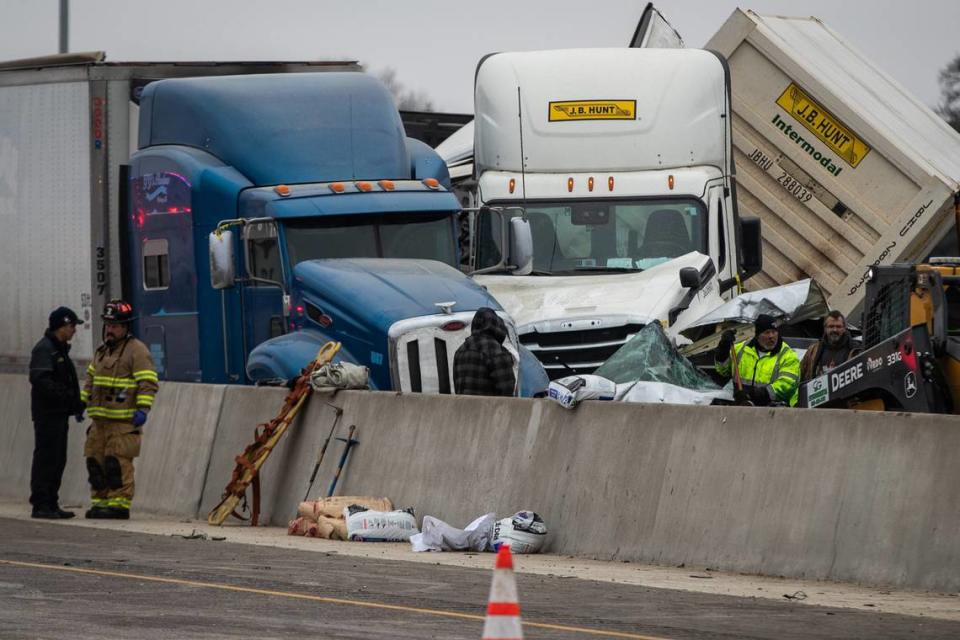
[911,339]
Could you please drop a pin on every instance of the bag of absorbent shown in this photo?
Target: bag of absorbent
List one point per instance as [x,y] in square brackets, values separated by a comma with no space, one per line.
[366,525]
[523,532]
[568,392]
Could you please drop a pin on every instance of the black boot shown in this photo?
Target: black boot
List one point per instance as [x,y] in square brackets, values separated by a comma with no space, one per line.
[45,513]
[117,513]
[95,513]
[64,515]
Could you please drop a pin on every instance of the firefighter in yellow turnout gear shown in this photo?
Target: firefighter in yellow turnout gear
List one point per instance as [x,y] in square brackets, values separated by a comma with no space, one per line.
[119,390]
[769,369]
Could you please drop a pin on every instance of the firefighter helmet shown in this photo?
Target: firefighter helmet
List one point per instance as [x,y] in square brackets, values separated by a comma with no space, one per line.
[117,312]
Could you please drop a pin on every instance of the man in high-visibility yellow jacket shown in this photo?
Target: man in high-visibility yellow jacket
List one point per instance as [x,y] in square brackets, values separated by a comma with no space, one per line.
[119,390]
[769,368]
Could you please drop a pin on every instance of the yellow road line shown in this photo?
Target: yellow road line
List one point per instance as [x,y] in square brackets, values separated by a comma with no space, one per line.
[325,599]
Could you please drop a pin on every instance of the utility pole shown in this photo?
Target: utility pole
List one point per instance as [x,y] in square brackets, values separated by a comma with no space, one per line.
[64,24]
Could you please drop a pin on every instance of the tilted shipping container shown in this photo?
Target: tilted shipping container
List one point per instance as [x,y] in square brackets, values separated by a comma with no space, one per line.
[845,168]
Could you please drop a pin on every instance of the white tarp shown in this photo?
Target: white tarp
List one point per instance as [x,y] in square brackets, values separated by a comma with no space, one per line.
[662,392]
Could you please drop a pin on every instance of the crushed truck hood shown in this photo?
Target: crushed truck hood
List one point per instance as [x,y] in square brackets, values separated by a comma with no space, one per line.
[644,296]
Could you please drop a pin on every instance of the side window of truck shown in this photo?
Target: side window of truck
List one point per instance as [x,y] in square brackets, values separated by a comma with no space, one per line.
[263,253]
[488,241]
[156,264]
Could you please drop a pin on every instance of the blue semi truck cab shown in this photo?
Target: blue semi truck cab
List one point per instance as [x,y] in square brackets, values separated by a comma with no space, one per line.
[269,214]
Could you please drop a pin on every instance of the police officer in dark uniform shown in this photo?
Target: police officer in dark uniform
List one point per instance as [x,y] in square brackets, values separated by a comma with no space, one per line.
[54,397]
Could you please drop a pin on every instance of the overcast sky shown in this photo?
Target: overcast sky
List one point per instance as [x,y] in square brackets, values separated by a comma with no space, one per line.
[434,45]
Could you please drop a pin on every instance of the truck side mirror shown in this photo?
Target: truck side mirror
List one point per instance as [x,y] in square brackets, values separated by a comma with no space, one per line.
[752,246]
[221,260]
[521,247]
[689,278]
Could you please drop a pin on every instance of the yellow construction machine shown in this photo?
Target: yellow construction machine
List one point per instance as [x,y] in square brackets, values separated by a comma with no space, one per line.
[911,342]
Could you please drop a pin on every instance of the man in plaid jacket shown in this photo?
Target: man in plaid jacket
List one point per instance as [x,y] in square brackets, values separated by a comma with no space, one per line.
[482,366]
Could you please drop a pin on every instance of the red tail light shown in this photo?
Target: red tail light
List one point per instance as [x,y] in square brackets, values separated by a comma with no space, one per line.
[454,325]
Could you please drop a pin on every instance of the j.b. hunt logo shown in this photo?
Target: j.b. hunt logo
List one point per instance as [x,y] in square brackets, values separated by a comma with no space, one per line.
[592,110]
[826,127]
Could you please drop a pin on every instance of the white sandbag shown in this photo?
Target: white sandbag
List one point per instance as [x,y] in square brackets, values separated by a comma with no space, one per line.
[523,532]
[568,392]
[437,535]
[364,525]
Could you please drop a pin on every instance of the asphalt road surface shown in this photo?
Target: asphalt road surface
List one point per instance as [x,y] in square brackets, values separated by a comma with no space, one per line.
[80,582]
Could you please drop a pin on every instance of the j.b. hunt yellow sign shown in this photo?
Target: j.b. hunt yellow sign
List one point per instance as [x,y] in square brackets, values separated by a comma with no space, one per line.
[593,110]
[823,124]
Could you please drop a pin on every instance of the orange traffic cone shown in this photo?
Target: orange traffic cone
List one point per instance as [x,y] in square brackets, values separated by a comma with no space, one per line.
[503,609]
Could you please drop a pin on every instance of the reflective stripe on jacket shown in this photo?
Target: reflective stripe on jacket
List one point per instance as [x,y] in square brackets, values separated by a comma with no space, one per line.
[120,381]
[777,371]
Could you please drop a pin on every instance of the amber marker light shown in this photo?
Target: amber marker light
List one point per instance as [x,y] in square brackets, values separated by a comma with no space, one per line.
[364,186]
[282,190]
[512,185]
[590,183]
[336,187]
[387,185]
[610,183]
[433,183]
[569,184]
[670,182]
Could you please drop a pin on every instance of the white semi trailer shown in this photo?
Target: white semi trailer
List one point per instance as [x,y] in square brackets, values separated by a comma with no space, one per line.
[68,125]
[621,161]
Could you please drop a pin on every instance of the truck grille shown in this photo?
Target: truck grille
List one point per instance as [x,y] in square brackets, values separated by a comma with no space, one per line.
[422,351]
[581,351]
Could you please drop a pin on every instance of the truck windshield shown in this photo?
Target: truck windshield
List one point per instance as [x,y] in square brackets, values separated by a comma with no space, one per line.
[584,236]
[423,236]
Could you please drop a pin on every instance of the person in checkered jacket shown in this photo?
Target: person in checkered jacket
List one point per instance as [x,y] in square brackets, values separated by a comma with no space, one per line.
[482,366]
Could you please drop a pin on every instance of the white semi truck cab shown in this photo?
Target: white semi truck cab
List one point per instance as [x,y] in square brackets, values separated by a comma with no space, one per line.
[620,161]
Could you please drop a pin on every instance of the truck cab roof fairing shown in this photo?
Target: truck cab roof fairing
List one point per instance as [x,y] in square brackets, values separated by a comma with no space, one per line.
[692,94]
[246,122]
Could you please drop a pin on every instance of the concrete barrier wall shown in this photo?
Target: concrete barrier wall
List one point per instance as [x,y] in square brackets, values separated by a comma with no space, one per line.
[176,448]
[834,495]
[837,495]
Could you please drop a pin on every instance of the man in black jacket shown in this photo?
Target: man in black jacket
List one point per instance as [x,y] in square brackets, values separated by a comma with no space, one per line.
[482,366]
[54,397]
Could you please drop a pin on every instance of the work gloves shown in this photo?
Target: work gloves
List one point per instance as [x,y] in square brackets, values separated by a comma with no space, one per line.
[722,352]
[759,396]
[79,417]
[139,418]
[752,396]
